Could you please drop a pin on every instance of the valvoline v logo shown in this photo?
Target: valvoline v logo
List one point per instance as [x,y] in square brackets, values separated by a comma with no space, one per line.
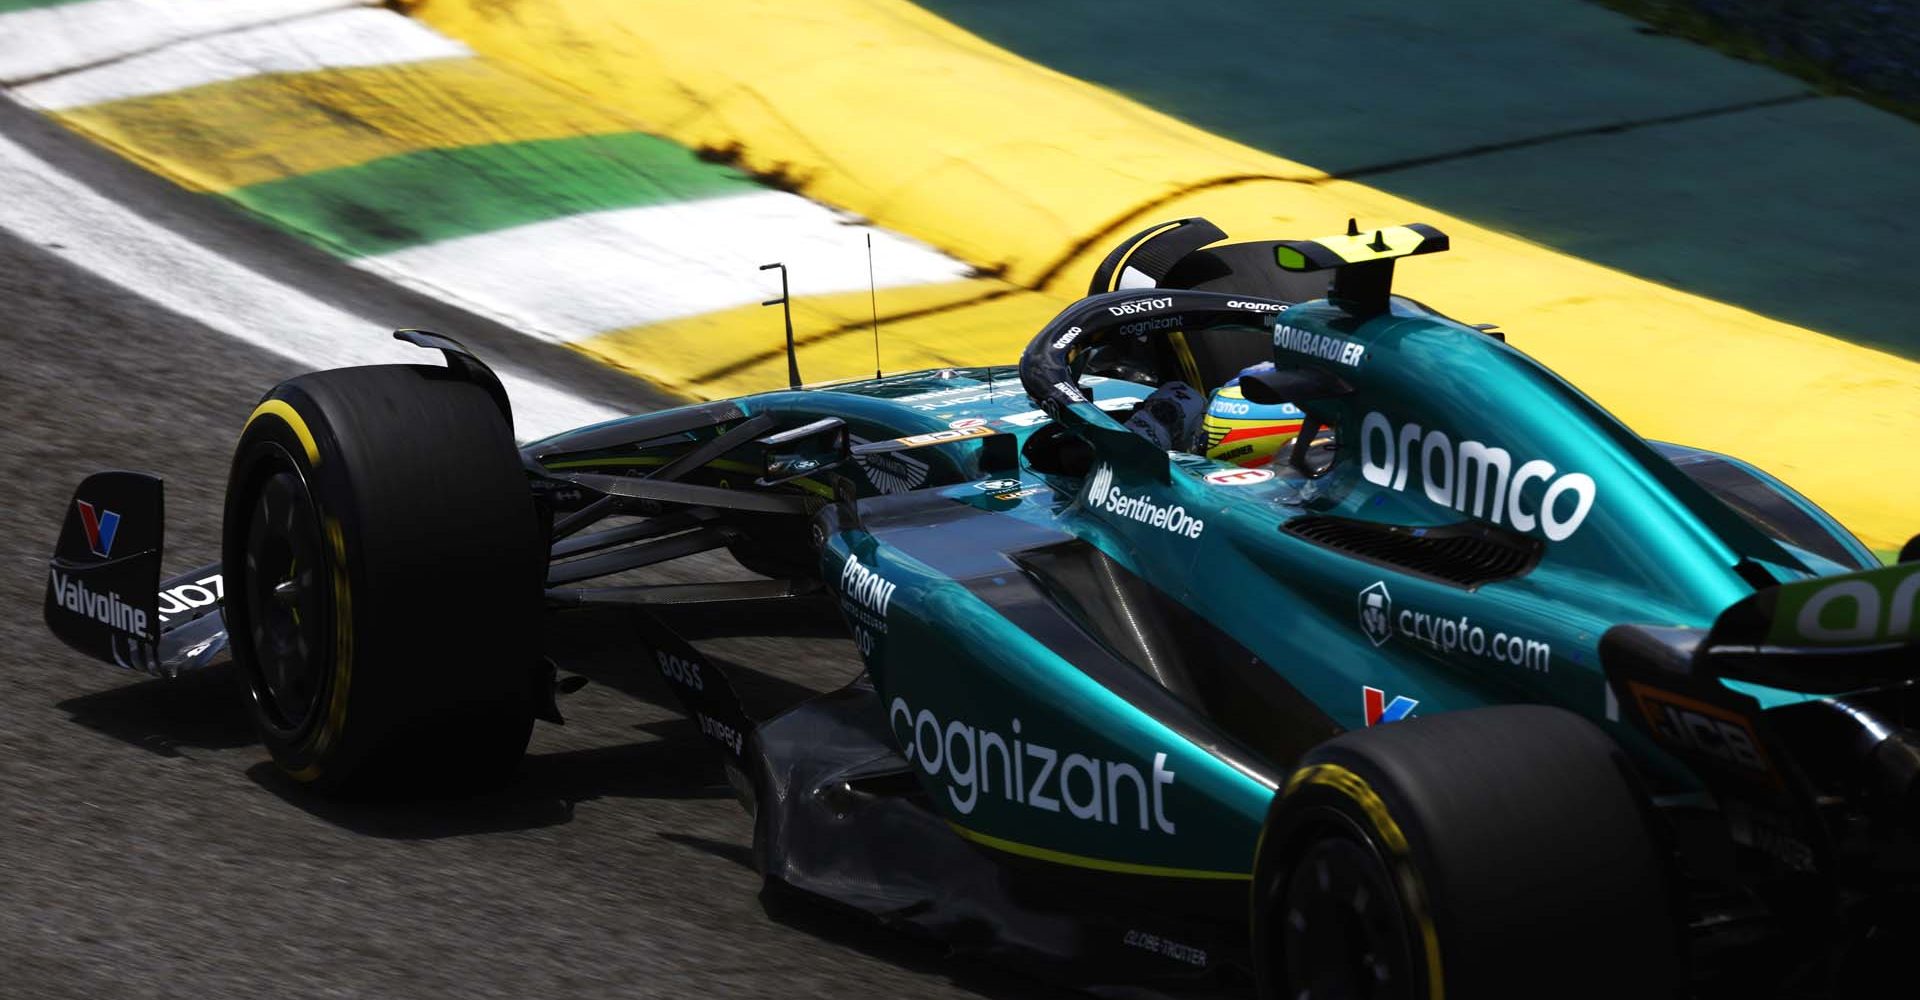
[101,525]
[1380,710]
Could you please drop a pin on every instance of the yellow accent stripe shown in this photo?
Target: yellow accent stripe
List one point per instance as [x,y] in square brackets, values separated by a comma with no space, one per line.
[1113,280]
[1098,864]
[288,415]
[266,128]
[1008,164]
[1183,352]
[589,463]
[1354,787]
[724,464]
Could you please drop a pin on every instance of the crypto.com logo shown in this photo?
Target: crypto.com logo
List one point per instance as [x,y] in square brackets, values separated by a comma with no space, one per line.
[1376,612]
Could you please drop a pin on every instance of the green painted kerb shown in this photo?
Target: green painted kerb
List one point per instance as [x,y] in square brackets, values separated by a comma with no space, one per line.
[439,194]
[9,6]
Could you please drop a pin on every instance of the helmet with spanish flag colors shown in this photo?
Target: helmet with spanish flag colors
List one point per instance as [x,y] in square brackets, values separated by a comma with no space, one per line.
[1245,433]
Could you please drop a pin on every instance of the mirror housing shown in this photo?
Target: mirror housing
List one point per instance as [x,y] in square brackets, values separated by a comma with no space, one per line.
[1298,386]
[803,451]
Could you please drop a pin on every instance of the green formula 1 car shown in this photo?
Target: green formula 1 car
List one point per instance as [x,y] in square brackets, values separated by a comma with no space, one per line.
[1471,692]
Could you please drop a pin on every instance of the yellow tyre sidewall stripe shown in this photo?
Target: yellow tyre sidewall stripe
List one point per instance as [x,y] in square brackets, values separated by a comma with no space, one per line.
[336,548]
[1413,893]
[342,639]
[284,410]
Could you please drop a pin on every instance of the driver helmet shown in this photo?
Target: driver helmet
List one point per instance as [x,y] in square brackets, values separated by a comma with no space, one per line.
[1245,433]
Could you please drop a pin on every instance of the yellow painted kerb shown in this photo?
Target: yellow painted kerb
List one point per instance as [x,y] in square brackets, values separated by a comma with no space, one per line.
[266,128]
[1014,167]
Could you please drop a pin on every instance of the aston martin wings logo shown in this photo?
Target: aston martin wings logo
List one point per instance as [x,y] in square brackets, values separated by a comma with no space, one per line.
[891,472]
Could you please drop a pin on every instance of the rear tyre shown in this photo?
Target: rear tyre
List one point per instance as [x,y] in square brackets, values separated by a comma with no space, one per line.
[384,566]
[1490,853]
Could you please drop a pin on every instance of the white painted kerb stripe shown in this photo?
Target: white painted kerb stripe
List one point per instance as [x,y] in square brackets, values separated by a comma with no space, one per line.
[360,36]
[566,279]
[43,206]
[42,40]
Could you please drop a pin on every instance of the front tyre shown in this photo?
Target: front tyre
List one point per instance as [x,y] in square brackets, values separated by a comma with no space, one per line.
[1488,853]
[384,565]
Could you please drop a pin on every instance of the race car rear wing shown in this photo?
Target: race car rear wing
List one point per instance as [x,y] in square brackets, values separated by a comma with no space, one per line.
[1850,639]
[104,594]
[1829,635]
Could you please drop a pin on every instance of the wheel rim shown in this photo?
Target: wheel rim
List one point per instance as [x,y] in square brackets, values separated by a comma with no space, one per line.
[286,600]
[1341,925]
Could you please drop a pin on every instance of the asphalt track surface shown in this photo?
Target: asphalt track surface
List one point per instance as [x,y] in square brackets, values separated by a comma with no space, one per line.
[147,847]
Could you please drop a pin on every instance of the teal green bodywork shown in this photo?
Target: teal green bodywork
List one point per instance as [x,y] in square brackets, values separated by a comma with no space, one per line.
[943,652]
[1628,538]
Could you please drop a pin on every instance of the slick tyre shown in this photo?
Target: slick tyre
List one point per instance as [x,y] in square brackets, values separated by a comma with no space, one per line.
[385,565]
[1498,852]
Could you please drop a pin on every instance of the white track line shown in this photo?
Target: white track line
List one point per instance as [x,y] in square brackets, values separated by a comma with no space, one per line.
[45,207]
[570,278]
[356,36]
[40,41]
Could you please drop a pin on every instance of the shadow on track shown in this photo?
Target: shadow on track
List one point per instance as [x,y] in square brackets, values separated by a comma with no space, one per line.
[542,792]
[902,947]
[207,711]
[202,711]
